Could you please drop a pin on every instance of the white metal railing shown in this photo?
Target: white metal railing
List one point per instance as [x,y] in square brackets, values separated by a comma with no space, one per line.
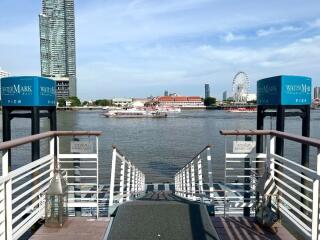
[126,180]
[22,191]
[294,186]
[195,180]
[241,175]
[82,177]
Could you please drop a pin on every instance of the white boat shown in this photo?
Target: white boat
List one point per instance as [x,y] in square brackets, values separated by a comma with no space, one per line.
[168,109]
[134,113]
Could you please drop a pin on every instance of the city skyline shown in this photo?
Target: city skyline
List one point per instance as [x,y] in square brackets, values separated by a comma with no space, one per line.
[139,48]
[57,45]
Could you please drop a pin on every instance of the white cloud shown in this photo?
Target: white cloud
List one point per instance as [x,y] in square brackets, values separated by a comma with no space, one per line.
[229,37]
[155,68]
[273,30]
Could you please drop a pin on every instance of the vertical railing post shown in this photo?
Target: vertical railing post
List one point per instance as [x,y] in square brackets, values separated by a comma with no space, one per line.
[123,165]
[8,196]
[271,152]
[128,181]
[136,181]
[52,146]
[193,182]
[188,180]
[183,183]
[97,177]
[210,169]
[315,201]
[133,180]
[200,175]
[113,173]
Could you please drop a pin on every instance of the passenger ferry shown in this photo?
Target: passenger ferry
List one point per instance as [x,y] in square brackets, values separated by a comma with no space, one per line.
[242,110]
[135,113]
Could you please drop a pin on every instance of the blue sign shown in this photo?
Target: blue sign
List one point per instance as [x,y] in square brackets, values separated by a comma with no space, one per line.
[28,91]
[284,90]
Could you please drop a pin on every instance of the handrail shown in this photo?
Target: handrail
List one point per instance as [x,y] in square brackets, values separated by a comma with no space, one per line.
[293,137]
[24,140]
[205,148]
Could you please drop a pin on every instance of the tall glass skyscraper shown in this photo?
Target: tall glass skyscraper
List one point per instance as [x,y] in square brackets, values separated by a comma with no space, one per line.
[206,90]
[57,45]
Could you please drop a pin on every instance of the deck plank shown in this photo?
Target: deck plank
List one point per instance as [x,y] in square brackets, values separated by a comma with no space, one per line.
[245,228]
[75,228]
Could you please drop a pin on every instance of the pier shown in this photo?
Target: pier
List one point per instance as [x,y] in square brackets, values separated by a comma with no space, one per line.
[197,207]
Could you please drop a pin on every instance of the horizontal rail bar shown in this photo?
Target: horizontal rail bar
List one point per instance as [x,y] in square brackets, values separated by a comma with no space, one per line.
[289,136]
[24,140]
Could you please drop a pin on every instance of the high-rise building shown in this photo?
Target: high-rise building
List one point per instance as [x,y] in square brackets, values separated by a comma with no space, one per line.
[206,90]
[166,93]
[224,96]
[57,45]
[3,73]
[316,93]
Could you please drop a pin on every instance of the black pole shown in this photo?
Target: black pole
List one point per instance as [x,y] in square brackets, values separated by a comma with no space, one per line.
[35,129]
[280,127]
[305,149]
[6,130]
[259,145]
[305,133]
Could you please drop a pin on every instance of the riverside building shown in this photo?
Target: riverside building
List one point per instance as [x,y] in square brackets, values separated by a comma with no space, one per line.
[180,101]
[57,45]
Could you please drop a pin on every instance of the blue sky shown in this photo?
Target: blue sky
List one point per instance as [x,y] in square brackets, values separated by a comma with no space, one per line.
[143,47]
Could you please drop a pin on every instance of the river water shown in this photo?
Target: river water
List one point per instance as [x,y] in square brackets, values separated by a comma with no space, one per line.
[159,147]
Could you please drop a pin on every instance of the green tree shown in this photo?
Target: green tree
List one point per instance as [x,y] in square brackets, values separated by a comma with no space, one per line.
[61,102]
[85,103]
[74,101]
[103,102]
[209,101]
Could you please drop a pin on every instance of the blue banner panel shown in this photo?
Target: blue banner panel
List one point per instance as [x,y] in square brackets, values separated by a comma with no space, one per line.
[28,91]
[284,90]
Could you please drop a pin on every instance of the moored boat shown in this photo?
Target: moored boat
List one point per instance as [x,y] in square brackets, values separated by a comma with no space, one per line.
[135,113]
[242,110]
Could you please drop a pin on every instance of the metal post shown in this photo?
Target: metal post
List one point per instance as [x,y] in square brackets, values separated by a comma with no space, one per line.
[188,180]
[183,183]
[6,131]
[247,180]
[97,166]
[77,181]
[193,182]
[8,196]
[52,153]
[259,145]
[122,180]
[280,127]
[128,181]
[315,201]
[210,169]
[113,173]
[305,149]
[133,180]
[136,181]
[35,129]
[200,175]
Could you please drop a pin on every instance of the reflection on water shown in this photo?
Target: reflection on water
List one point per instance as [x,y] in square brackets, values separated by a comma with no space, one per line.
[159,147]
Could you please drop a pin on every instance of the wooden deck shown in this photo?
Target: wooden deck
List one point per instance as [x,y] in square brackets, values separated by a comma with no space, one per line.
[76,228]
[244,228]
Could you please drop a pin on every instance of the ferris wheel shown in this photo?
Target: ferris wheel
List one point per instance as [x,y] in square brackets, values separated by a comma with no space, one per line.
[240,87]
